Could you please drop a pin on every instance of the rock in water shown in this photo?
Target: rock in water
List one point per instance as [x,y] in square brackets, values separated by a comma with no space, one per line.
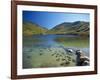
[70,50]
[41,54]
[28,57]
[82,60]
[85,63]
[58,59]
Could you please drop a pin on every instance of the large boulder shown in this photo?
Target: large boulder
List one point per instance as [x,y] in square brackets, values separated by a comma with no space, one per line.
[81,59]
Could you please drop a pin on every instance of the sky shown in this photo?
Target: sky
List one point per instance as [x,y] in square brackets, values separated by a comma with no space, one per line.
[51,19]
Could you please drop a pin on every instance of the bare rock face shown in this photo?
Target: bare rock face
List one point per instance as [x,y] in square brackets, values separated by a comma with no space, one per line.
[82,60]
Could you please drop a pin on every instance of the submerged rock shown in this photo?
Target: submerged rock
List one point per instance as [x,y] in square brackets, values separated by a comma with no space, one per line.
[69,58]
[73,60]
[53,54]
[62,64]
[63,59]
[28,57]
[58,59]
[66,63]
[41,54]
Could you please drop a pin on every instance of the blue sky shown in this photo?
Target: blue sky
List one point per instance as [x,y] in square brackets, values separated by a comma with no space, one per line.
[51,19]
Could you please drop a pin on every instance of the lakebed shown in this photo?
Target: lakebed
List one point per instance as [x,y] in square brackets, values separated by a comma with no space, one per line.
[51,50]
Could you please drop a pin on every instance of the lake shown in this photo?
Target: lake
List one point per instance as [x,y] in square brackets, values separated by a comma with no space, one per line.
[50,50]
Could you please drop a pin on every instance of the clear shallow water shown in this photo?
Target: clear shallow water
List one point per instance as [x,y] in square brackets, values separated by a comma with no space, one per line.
[49,50]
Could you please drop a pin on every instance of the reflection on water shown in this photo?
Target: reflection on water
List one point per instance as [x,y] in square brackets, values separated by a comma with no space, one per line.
[48,50]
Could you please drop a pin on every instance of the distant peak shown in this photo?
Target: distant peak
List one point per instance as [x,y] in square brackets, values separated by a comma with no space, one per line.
[78,22]
[66,23]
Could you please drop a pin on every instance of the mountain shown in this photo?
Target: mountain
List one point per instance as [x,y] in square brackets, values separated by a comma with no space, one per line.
[78,27]
[30,28]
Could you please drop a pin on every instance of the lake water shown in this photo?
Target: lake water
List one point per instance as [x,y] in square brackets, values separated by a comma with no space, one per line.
[50,50]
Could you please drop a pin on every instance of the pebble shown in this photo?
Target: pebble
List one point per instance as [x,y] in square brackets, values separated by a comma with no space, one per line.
[67,62]
[63,59]
[58,59]
[73,60]
[41,53]
[28,57]
[62,64]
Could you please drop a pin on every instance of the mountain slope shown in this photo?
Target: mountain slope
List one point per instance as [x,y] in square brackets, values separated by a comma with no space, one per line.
[78,27]
[31,29]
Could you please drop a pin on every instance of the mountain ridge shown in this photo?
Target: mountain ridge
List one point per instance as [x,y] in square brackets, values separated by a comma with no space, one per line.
[77,27]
